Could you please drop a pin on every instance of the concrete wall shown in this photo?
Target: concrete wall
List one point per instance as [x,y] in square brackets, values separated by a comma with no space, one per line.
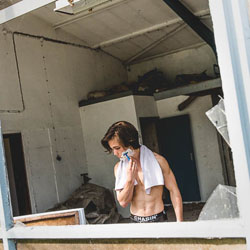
[41,84]
[147,244]
[208,162]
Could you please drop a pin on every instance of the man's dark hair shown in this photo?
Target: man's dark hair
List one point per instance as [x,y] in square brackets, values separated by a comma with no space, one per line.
[126,134]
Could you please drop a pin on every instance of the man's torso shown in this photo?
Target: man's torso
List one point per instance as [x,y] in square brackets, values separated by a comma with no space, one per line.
[144,204]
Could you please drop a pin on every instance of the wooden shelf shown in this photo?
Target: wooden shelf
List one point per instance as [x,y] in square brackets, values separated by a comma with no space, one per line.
[111,97]
[188,89]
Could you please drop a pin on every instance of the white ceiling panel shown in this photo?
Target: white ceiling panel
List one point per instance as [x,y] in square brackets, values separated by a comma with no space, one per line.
[128,27]
[183,39]
[124,50]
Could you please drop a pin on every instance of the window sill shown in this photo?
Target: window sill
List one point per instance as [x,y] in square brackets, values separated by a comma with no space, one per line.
[233,228]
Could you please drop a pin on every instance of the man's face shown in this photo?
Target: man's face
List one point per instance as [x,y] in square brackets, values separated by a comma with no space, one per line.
[117,147]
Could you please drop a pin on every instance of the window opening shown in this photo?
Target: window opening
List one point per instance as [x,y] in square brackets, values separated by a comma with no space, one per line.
[8,146]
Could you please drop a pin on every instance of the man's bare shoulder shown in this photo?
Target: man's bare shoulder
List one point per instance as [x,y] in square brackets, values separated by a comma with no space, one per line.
[159,158]
[162,162]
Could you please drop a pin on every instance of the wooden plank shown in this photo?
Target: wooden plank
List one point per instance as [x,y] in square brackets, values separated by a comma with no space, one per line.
[188,89]
[57,218]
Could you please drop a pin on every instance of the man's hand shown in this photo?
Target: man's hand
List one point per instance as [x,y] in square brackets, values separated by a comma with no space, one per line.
[125,195]
[132,170]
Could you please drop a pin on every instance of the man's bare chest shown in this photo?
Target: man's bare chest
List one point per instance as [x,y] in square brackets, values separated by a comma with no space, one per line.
[139,177]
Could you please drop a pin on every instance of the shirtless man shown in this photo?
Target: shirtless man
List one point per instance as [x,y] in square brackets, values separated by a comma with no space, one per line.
[144,207]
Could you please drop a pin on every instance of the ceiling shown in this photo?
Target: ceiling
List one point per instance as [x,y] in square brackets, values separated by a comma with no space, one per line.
[132,30]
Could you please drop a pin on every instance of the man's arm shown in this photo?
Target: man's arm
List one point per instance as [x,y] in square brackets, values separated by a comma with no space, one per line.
[171,185]
[125,196]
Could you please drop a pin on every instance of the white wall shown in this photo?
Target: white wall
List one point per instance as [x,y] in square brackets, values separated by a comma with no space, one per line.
[53,78]
[189,61]
[208,162]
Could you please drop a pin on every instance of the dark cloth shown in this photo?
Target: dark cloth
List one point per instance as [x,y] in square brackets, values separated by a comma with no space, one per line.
[160,217]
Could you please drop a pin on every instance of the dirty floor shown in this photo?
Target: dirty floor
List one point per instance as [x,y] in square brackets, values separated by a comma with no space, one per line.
[191,212]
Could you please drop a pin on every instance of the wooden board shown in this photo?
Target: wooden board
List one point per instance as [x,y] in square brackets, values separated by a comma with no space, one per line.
[57,218]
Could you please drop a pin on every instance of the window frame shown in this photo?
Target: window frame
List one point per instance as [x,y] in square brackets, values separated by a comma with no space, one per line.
[233,47]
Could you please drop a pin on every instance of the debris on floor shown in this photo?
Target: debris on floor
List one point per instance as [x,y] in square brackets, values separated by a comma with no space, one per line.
[222,204]
[98,203]
[191,211]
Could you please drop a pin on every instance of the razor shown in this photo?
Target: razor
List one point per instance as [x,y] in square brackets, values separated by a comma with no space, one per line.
[126,154]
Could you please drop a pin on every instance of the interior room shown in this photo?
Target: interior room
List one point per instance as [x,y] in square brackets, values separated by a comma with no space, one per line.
[68,72]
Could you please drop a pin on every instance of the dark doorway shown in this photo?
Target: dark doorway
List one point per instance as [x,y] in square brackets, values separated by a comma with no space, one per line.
[17,174]
[176,146]
[149,132]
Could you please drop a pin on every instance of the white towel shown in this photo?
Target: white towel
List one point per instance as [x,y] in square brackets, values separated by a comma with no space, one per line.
[152,174]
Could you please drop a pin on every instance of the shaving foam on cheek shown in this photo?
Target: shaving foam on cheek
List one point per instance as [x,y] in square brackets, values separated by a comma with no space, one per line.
[126,154]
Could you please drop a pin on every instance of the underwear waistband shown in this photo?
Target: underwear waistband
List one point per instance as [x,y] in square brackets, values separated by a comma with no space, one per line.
[146,218]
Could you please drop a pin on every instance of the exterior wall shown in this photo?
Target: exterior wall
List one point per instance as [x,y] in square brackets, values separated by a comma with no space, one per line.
[41,84]
[147,244]
[208,162]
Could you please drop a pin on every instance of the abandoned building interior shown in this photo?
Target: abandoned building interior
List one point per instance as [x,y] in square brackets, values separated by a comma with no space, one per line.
[66,78]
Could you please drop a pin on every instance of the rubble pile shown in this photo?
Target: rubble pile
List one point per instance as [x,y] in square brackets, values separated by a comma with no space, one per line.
[98,203]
